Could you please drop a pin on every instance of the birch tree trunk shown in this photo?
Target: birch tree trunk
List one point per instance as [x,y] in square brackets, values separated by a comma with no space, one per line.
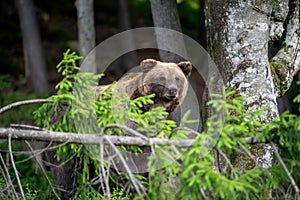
[241,38]
[86,32]
[35,64]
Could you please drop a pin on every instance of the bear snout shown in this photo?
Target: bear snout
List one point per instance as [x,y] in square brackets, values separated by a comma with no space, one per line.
[172,93]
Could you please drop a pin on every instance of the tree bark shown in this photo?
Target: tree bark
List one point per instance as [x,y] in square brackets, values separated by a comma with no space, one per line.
[239,35]
[129,60]
[165,15]
[286,63]
[32,45]
[202,28]
[92,139]
[86,32]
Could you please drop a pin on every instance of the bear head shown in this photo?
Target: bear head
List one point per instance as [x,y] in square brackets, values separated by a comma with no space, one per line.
[167,80]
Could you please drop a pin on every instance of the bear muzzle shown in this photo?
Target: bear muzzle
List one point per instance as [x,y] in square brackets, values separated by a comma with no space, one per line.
[172,93]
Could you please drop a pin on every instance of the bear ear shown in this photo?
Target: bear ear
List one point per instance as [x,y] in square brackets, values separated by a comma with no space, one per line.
[148,64]
[186,67]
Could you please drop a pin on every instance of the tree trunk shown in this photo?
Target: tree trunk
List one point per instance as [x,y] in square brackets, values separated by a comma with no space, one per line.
[33,51]
[202,30]
[240,33]
[126,62]
[165,15]
[86,32]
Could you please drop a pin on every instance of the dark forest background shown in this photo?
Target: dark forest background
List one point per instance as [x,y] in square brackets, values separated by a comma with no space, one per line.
[57,23]
[58,28]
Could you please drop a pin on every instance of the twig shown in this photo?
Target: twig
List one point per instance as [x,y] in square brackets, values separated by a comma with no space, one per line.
[70,158]
[185,129]
[248,153]
[133,180]
[285,168]
[171,157]
[36,152]
[126,128]
[22,126]
[228,162]
[14,167]
[201,189]
[8,179]
[42,169]
[19,103]
[106,178]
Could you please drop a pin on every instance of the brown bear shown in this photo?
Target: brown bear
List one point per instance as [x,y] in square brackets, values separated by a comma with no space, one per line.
[169,83]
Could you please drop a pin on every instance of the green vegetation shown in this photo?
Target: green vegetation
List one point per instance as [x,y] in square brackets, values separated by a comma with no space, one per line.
[192,173]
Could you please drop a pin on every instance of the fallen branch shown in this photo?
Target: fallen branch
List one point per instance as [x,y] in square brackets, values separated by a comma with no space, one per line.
[43,135]
[92,139]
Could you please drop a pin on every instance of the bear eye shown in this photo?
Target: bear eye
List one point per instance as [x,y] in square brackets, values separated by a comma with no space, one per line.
[177,78]
[162,78]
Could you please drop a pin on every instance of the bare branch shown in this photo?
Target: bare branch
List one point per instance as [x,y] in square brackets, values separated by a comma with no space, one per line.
[19,103]
[105,177]
[42,169]
[8,181]
[126,128]
[248,153]
[185,129]
[14,167]
[26,126]
[228,162]
[294,184]
[135,182]
[44,135]
[88,138]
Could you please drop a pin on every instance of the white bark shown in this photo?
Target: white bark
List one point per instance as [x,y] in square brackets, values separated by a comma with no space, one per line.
[247,36]
[286,63]
[47,136]
[39,135]
[239,34]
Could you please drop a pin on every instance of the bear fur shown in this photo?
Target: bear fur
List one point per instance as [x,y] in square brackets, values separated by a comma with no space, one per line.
[169,83]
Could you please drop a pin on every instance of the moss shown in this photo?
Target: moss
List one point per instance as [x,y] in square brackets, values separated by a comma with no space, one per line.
[275,76]
[276,65]
[279,76]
